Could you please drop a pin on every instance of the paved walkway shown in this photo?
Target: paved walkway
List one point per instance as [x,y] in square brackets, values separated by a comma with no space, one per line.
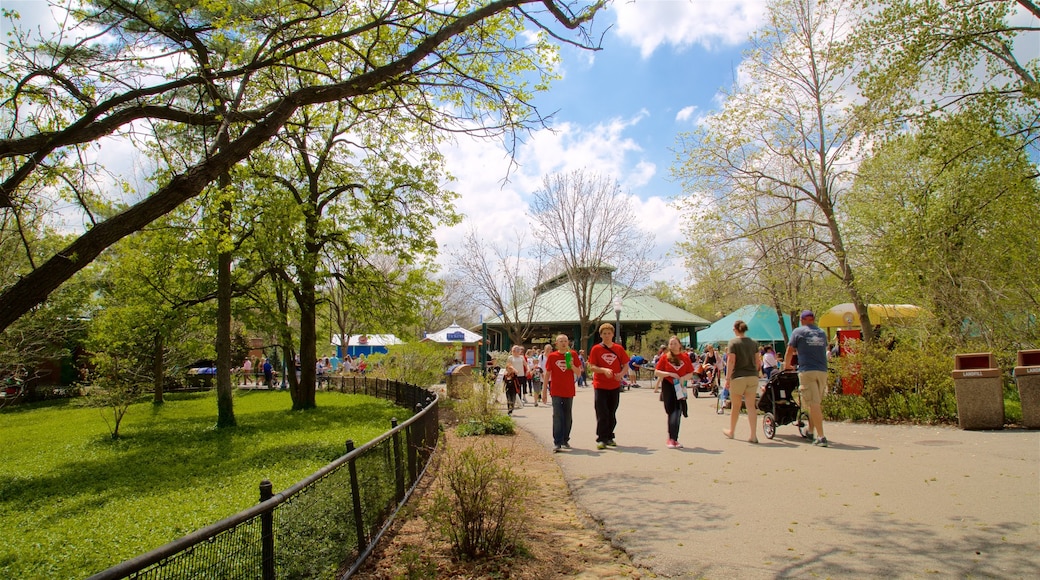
[883,500]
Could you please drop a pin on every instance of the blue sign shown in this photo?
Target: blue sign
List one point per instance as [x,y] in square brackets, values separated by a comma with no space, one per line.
[456,336]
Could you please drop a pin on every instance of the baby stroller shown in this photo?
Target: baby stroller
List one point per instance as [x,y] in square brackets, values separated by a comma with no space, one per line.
[778,404]
[704,380]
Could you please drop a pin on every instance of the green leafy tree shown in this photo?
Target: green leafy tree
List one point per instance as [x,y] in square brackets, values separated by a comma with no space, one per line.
[242,70]
[154,301]
[777,158]
[920,57]
[942,216]
[341,199]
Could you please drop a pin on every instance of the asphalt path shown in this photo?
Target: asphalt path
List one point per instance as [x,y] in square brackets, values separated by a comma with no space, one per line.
[882,501]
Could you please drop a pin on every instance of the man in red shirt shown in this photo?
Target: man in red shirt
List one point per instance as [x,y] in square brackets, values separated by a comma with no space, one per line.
[562,366]
[608,363]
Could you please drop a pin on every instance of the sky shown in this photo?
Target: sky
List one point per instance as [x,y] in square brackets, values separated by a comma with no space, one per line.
[618,112]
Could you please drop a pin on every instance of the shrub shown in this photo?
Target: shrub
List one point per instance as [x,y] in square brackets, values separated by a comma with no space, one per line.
[417,363]
[116,383]
[479,512]
[902,381]
[479,413]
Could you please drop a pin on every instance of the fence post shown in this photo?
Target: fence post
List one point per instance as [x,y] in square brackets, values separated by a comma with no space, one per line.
[267,532]
[398,468]
[355,493]
[415,439]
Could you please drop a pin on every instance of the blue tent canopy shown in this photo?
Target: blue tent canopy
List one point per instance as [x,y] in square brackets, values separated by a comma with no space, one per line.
[762,326]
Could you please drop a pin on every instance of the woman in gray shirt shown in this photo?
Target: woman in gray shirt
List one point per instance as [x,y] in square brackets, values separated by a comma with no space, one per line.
[743,362]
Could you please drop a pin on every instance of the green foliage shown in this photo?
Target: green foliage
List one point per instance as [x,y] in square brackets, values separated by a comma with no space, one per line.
[76,502]
[481,510]
[416,363]
[920,57]
[908,382]
[659,334]
[114,385]
[479,413]
[955,195]
[495,425]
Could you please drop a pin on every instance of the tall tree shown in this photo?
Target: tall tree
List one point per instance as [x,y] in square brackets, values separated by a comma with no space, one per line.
[502,280]
[787,135]
[154,302]
[922,57]
[583,221]
[443,64]
[340,193]
[941,217]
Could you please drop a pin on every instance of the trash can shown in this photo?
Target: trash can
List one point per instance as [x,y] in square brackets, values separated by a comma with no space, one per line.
[459,381]
[1027,375]
[980,394]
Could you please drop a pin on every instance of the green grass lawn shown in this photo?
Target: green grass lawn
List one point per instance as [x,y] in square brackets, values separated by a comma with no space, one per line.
[74,502]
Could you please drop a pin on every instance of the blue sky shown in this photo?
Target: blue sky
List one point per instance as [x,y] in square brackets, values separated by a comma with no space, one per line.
[618,111]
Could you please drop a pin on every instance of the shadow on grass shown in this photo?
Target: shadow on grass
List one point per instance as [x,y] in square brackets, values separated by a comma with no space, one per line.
[165,454]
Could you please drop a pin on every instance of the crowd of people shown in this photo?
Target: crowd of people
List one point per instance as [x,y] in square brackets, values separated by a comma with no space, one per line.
[261,372]
[556,373]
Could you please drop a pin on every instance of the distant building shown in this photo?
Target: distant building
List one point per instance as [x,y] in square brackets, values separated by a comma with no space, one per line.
[356,345]
[468,342]
[556,311]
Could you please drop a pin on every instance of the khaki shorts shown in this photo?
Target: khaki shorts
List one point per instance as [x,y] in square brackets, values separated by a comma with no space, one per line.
[812,386]
[743,386]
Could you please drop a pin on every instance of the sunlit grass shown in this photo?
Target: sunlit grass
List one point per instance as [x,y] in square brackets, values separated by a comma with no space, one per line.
[73,501]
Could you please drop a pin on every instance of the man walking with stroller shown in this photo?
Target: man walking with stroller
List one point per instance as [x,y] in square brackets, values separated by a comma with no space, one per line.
[810,343]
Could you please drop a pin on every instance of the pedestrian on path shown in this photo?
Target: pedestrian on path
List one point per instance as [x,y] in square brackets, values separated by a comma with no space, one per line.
[673,368]
[810,343]
[608,363]
[743,362]
[563,368]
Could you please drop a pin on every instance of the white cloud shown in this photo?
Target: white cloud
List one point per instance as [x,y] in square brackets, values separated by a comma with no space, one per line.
[683,23]
[685,113]
[497,210]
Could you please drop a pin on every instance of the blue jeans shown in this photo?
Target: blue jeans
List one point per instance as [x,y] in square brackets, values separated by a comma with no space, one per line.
[563,418]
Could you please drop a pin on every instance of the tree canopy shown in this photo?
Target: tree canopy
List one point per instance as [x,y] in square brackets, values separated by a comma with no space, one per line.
[243,70]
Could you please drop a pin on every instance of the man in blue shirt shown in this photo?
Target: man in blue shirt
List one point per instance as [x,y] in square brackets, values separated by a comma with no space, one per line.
[810,342]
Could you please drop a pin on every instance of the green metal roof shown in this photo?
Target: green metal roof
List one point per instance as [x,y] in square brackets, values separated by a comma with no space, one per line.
[558,306]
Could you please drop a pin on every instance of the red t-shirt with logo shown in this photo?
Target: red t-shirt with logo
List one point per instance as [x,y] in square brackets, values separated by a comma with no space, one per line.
[615,358]
[561,380]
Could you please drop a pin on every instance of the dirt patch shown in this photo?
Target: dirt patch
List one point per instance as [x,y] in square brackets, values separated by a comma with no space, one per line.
[560,541]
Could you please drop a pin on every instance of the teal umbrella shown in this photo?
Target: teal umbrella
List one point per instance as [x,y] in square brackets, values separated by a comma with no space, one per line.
[762,326]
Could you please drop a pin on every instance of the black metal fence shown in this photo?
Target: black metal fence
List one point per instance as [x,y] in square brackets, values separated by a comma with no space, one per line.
[324,526]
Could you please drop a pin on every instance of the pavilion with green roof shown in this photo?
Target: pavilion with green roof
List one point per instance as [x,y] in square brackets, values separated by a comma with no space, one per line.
[556,311]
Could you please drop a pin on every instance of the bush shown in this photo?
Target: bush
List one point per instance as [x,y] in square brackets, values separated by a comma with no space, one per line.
[901,381]
[479,414]
[480,513]
[416,363]
[115,385]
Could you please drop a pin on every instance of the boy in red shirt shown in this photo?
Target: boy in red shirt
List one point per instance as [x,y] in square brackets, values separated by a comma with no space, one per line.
[608,363]
[562,367]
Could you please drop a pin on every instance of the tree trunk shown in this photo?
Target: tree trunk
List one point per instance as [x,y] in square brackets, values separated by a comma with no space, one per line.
[308,354]
[225,403]
[158,367]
